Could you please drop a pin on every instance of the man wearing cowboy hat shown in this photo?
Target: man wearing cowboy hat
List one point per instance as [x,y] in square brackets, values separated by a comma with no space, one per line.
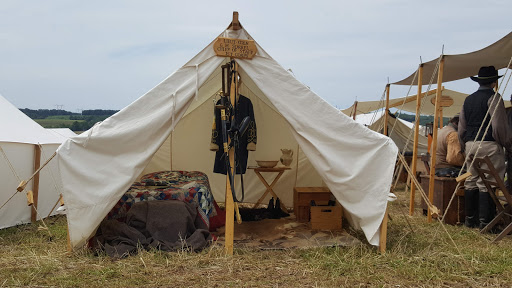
[479,206]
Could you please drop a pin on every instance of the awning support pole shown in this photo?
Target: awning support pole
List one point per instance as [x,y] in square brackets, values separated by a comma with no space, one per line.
[434,138]
[387,111]
[416,139]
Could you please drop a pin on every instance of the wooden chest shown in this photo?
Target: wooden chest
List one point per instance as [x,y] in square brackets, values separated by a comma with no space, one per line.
[443,191]
[302,197]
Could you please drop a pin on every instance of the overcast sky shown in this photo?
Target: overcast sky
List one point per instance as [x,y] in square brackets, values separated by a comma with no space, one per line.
[106,54]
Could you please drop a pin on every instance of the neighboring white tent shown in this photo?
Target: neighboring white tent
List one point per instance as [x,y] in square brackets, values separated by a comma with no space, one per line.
[63,133]
[170,128]
[400,131]
[18,137]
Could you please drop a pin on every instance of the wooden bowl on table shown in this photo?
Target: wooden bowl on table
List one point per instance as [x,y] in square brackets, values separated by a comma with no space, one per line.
[267,164]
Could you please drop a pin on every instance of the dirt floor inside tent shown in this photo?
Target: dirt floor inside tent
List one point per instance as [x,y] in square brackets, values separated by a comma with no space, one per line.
[284,233]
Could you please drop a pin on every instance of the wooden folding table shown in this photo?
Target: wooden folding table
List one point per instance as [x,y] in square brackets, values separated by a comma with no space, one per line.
[270,188]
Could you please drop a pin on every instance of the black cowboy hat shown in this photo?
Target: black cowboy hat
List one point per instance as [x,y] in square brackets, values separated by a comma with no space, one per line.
[486,74]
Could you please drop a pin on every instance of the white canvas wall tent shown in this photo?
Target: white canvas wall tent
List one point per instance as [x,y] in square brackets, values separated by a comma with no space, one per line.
[63,133]
[20,136]
[169,128]
[400,131]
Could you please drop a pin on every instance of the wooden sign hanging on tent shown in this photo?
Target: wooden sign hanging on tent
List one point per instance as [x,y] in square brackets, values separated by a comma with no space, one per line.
[446,101]
[235,48]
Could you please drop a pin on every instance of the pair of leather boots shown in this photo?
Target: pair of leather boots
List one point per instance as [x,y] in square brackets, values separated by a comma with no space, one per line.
[479,208]
[275,210]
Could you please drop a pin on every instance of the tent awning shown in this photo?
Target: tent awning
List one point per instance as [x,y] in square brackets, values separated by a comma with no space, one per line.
[409,104]
[460,66]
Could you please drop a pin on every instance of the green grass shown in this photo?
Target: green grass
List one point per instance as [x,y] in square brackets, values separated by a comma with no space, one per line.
[422,257]
[56,122]
[59,117]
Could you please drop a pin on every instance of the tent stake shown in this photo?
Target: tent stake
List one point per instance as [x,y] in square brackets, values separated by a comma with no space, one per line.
[416,139]
[434,138]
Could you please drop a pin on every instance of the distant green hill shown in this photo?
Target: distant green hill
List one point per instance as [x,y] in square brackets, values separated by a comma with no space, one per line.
[55,118]
[423,119]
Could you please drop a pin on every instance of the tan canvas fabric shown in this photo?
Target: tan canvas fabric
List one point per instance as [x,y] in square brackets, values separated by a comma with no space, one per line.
[461,66]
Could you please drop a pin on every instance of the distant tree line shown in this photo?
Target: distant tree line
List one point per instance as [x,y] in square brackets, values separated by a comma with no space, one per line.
[423,119]
[44,113]
[83,121]
[99,112]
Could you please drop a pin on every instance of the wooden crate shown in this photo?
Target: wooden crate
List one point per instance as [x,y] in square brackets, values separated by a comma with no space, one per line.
[302,197]
[326,217]
[443,190]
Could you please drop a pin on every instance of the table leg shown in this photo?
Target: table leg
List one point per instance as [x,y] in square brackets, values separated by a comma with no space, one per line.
[270,188]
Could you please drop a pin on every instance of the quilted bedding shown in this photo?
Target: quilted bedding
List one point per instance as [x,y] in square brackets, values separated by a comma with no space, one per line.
[187,186]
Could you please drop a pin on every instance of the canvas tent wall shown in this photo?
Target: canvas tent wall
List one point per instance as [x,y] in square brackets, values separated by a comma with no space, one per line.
[400,131]
[18,137]
[62,133]
[99,165]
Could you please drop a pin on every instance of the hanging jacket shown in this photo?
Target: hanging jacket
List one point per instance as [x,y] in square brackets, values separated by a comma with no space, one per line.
[243,108]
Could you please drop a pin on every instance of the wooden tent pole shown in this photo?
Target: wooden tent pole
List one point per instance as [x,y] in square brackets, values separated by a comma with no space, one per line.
[35,182]
[414,98]
[355,110]
[416,139]
[383,232]
[235,24]
[434,138]
[387,111]
[230,205]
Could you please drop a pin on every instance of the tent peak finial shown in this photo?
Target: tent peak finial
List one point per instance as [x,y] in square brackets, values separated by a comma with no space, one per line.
[235,24]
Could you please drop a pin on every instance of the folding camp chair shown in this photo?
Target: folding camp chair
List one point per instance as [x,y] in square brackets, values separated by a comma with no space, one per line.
[487,172]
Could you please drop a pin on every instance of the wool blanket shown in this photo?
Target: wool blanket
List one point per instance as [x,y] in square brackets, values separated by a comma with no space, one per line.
[165,225]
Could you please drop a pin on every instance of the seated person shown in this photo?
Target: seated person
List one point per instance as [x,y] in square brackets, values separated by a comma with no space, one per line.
[449,157]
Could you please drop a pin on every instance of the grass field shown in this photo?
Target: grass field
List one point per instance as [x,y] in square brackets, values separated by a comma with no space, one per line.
[56,122]
[419,254]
